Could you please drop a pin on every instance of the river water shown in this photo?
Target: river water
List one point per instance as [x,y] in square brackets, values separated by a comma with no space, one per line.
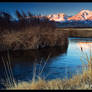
[49,63]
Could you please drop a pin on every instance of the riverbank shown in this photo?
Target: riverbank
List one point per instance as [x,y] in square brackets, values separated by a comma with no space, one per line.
[33,38]
[83,81]
[78,32]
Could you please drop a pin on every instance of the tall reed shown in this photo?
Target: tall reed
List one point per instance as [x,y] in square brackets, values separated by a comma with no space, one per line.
[9,78]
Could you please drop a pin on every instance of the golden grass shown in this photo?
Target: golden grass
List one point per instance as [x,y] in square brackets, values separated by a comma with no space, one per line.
[82,81]
[34,38]
[77,82]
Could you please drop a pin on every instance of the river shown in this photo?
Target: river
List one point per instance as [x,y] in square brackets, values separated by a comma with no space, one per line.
[49,63]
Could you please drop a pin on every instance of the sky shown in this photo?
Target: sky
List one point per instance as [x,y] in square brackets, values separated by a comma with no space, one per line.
[45,8]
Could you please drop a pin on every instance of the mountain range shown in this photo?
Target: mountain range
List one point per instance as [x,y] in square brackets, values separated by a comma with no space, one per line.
[82,15]
[81,19]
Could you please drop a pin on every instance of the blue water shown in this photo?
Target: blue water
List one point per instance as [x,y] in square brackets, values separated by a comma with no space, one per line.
[62,63]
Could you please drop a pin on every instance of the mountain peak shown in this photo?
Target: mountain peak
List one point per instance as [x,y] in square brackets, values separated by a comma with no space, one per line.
[58,17]
[85,10]
[82,15]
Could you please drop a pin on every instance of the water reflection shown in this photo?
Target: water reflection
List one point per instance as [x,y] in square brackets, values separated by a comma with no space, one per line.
[22,62]
[33,55]
[84,46]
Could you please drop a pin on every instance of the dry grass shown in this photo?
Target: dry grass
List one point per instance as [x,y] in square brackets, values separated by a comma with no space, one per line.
[29,33]
[77,82]
[34,38]
[78,32]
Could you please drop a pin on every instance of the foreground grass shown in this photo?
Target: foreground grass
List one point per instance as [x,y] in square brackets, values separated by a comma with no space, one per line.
[83,81]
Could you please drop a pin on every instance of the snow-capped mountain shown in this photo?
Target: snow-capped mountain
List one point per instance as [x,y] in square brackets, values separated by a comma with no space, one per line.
[82,15]
[58,17]
[81,19]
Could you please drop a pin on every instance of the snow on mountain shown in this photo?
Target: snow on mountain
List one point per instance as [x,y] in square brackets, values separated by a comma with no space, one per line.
[81,19]
[58,17]
[82,15]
